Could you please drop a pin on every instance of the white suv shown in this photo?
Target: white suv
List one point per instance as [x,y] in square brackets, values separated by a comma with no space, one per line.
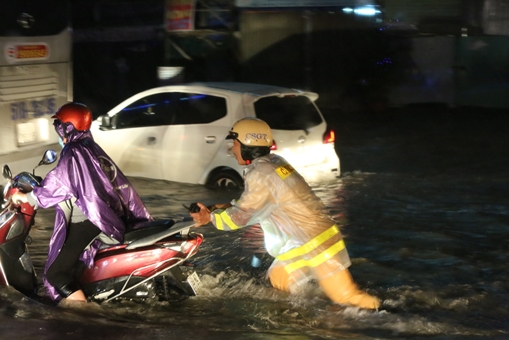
[177,133]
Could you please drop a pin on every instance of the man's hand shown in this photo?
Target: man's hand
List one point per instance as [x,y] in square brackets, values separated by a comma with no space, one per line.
[202,217]
[19,197]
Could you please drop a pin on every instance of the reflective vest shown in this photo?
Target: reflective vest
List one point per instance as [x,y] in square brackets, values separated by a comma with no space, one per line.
[298,230]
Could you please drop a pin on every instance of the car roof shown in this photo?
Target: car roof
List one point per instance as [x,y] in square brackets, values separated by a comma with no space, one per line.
[249,91]
[255,90]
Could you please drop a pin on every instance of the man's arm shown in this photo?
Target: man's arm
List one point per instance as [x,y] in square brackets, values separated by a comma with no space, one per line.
[255,201]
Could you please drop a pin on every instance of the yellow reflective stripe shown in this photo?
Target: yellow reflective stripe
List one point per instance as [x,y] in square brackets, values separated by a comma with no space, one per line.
[318,259]
[311,245]
[284,170]
[224,217]
[219,222]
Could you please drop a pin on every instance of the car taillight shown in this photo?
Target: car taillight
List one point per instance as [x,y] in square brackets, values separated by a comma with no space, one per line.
[329,137]
[274,145]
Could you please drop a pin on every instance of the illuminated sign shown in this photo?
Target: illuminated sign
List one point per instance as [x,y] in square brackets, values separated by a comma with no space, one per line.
[179,15]
[20,52]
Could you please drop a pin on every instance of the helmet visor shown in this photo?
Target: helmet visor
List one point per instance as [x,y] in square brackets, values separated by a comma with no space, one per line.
[59,129]
[62,129]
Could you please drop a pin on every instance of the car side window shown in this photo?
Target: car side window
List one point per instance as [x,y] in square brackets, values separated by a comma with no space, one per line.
[152,110]
[194,108]
[171,108]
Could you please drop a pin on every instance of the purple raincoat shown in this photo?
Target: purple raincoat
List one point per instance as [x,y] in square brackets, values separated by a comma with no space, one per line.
[102,192]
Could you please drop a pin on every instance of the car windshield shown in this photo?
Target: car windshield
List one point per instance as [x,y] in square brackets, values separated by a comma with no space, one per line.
[288,112]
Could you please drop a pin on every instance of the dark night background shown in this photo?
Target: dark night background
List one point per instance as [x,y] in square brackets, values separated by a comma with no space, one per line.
[351,62]
[112,64]
[355,63]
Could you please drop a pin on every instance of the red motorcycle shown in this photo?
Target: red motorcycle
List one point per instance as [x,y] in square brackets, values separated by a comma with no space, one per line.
[152,263]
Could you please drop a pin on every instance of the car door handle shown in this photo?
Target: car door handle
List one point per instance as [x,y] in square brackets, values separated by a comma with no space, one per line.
[210,139]
[151,140]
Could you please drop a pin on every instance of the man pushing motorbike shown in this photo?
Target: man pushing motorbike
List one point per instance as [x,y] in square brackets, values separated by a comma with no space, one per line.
[94,202]
[298,231]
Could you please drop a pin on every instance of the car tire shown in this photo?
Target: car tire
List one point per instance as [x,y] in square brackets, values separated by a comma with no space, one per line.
[225,179]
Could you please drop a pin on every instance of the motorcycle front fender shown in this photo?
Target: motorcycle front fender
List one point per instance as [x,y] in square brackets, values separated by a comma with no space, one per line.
[17,270]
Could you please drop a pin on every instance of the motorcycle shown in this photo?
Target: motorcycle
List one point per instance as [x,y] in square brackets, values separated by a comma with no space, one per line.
[151,263]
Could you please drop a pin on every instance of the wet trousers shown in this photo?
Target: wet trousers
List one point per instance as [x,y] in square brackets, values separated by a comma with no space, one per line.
[61,272]
[338,286]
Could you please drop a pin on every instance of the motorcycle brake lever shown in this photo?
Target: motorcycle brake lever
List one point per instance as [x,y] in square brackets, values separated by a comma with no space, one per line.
[193,208]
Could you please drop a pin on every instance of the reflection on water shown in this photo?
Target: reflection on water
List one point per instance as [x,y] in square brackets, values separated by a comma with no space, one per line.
[435,250]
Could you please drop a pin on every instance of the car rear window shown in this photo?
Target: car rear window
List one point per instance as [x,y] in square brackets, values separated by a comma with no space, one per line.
[288,112]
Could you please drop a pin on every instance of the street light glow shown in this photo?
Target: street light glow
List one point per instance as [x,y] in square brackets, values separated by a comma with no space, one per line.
[366,11]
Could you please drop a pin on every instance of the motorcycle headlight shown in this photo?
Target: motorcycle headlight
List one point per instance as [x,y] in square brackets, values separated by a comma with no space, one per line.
[4,217]
[16,228]
[4,192]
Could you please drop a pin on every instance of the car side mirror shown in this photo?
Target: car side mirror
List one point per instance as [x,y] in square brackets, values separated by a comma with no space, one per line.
[105,122]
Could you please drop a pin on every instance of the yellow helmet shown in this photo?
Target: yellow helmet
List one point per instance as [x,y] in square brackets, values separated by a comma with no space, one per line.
[251,132]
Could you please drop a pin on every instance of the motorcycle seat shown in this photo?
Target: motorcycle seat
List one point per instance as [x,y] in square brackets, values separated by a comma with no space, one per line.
[147,229]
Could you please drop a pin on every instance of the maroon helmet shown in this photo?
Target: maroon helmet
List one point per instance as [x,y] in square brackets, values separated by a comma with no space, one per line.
[79,115]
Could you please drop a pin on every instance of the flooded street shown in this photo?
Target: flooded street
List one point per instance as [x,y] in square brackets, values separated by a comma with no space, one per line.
[426,196]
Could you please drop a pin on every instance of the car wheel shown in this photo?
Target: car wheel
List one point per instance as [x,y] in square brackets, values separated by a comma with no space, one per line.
[225,180]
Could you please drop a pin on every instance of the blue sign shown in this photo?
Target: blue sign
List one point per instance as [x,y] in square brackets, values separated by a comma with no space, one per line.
[33,109]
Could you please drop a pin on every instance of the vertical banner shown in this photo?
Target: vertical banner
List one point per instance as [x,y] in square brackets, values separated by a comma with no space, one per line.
[179,15]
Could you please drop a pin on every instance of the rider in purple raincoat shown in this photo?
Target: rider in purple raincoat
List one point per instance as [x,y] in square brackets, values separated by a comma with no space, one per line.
[94,201]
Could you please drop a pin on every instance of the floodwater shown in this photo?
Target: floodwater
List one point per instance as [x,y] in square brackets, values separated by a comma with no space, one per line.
[426,195]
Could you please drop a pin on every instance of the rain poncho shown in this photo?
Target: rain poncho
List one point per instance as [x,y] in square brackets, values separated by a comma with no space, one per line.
[298,230]
[86,175]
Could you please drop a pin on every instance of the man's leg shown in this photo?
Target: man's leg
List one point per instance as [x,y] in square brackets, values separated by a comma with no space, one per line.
[60,273]
[279,278]
[341,288]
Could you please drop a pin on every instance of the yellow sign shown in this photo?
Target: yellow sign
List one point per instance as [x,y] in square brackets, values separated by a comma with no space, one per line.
[285,170]
[22,52]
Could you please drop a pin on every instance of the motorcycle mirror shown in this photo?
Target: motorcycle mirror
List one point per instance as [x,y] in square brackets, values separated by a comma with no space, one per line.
[7,172]
[50,156]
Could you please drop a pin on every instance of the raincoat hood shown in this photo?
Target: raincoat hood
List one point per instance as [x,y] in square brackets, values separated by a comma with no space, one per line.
[67,130]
